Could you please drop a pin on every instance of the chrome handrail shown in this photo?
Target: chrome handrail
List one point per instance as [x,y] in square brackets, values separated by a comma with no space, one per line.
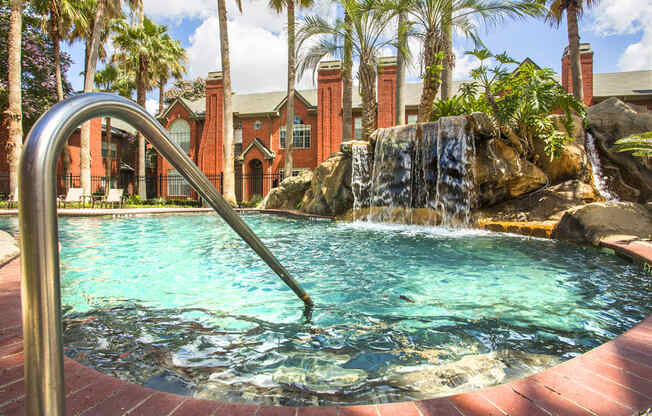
[40,290]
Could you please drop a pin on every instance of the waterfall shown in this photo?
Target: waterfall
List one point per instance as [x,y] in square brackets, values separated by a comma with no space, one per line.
[421,174]
[361,177]
[599,179]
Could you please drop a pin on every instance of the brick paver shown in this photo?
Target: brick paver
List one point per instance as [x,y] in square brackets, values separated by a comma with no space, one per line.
[613,379]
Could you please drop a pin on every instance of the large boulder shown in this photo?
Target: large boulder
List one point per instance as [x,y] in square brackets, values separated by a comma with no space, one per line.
[572,161]
[630,177]
[289,193]
[501,174]
[547,204]
[330,191]
[594,222]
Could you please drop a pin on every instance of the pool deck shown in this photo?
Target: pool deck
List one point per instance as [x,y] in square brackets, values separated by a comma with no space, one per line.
[613,379]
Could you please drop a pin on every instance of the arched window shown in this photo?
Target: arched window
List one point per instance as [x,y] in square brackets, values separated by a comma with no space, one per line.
[180,133]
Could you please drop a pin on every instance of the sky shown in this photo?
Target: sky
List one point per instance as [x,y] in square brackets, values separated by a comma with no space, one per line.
[618,30]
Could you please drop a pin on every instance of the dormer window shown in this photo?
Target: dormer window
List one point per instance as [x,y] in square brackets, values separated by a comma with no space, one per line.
[180,133]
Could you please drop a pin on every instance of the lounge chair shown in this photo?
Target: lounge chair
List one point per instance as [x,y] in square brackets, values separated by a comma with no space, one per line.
[115,196]
[12,201]
[75,195]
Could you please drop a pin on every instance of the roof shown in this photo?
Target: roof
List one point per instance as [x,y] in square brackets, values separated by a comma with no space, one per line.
[267,154]
[123,126]
[635,83]
[618,84]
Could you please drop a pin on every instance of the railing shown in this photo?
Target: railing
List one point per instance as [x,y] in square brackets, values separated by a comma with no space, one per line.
[40,290]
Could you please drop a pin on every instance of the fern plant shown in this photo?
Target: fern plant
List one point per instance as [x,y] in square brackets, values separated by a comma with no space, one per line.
[639,144]
[453,106]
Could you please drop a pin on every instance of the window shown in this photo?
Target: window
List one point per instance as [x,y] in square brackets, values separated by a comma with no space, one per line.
[357,128]
[258,124]
[177,185]
[301,135]
[151,158]
[180,133]
[412,118]
[114,150]
[295,172]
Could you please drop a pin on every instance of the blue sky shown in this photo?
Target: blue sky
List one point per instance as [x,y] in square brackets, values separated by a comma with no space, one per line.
[618,30]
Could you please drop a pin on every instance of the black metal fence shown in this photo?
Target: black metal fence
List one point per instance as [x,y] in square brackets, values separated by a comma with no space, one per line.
[247,187]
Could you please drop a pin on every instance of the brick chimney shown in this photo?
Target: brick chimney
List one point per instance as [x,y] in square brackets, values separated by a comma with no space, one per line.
[586,62]
[329,109]
[211,147]
[386,91]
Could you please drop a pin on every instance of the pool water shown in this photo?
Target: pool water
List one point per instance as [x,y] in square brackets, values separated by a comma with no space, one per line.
[181,304]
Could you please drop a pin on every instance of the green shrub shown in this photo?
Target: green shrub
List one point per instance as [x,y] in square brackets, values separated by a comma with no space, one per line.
[639,144]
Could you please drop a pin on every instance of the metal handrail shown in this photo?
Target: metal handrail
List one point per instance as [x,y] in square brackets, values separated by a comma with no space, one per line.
[40,290]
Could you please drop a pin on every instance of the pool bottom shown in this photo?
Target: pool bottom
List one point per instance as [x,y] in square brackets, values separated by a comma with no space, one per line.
[186,358]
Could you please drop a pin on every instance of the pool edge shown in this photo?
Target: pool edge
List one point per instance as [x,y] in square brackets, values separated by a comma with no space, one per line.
[612,379]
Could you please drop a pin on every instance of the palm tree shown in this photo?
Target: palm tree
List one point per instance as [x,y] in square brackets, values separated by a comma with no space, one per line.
[574,10]
[347,85]
[366,33]
[110,79]
[278,5]
[14,112]
[138,49]
[171,62]
[400,71]
[61,18]
[432,17]
[105,10]
[449,58]
[228,145]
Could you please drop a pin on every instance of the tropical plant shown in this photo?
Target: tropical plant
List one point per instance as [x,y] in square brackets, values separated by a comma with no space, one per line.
[453,106]
[574,10]
[347,85]
[13,113]
[521,100]
[228,186]
[431,18]
[138,47]
[110,79]
[171,63]
[639,144]
[366,31]
[289,5]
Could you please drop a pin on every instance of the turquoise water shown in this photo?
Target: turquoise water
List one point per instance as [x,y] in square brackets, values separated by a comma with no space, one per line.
[180,303]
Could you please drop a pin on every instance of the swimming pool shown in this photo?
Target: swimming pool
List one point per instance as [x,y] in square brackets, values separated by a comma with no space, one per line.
[179,303]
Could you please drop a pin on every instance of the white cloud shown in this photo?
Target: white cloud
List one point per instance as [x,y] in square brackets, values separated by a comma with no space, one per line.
[463,65]
[176,10]
[627,17]
[152,106]
[258,48]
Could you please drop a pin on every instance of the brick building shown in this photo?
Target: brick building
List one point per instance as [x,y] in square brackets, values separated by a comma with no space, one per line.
[259,121]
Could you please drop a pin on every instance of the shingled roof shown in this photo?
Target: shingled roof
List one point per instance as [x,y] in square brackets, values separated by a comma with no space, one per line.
[618,84]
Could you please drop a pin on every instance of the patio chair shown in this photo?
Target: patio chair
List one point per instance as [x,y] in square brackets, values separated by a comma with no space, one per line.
[75,195]
[12,201]
[115,196]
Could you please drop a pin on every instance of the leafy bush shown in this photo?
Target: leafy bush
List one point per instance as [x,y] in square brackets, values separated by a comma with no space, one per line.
[520,101]
[639,144]
[253,202]
[453,106]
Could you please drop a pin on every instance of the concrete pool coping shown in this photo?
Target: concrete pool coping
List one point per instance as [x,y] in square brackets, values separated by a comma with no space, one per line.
[612,379]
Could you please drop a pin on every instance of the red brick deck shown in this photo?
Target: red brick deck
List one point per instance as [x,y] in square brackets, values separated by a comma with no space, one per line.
[613,379]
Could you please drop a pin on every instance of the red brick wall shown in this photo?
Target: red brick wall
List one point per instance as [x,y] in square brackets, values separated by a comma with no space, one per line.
[329,113]
[586,61]
[386,95]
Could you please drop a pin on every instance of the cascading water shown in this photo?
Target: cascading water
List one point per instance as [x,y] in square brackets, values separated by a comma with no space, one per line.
[421,174]
[599,179]
[361,177]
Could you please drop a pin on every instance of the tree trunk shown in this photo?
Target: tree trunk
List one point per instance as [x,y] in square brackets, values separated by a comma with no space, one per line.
[14,113]
[109,159]
[367,77]
[228,182]
[347,85]
[89,78]
[449,57]
[432,61]
[161,93]
[400,73]
[141,98]
[574,49]
[289,107]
